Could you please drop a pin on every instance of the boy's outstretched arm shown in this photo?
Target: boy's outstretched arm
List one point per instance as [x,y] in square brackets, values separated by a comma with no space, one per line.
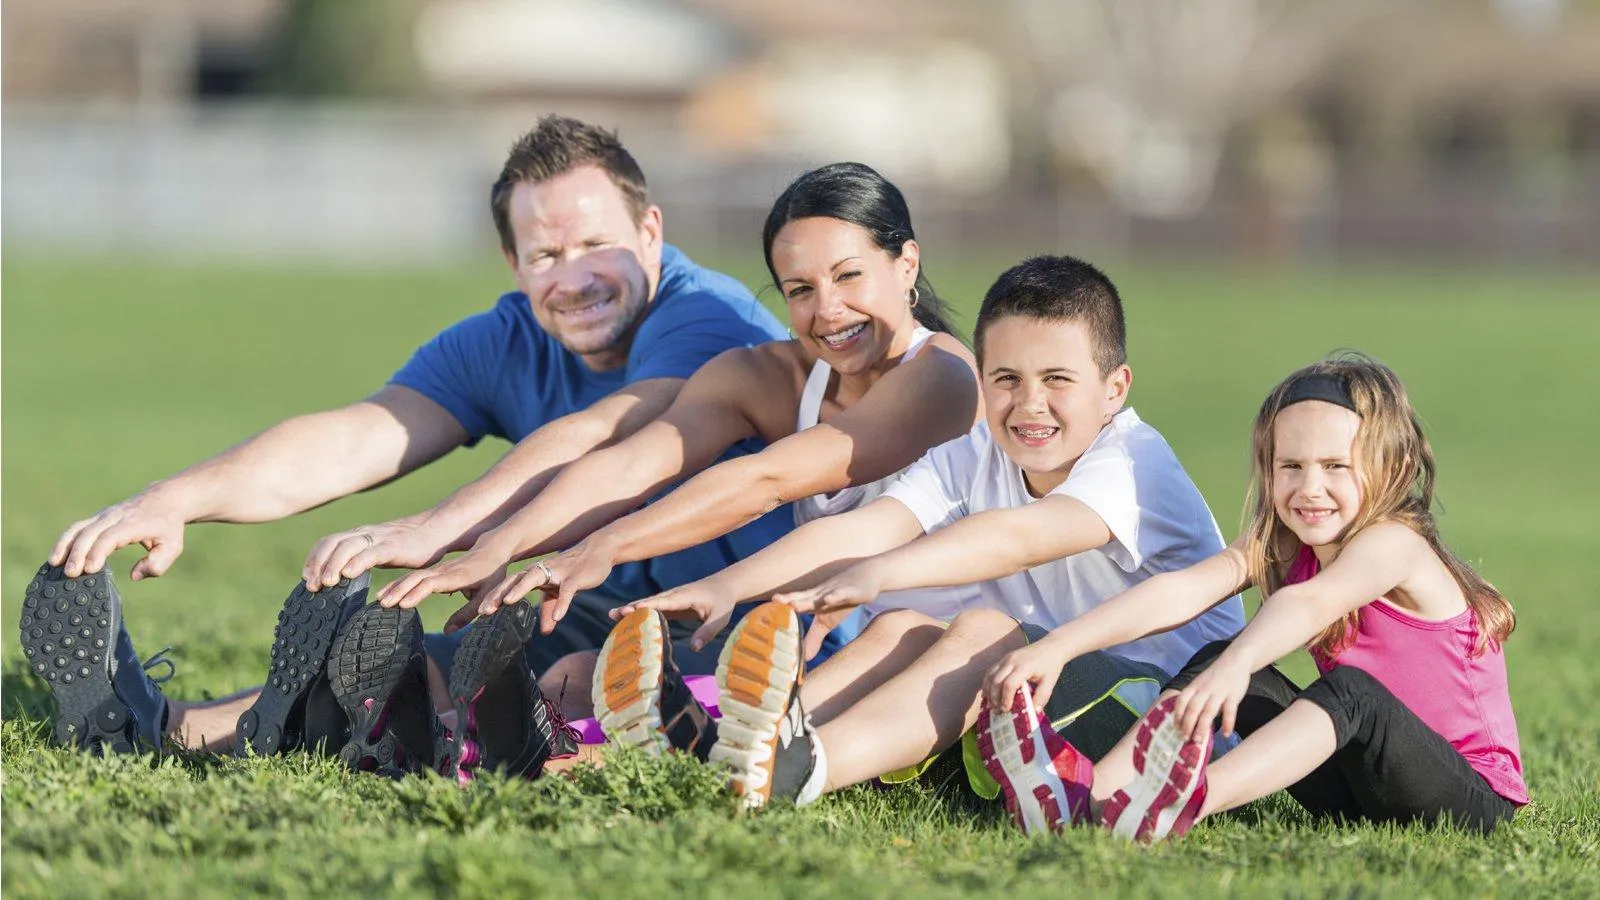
[814,551]
[981,547]
[1373,564]
[1158,604]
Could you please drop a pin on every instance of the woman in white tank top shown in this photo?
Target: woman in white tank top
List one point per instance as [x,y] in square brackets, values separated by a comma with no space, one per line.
[871,380]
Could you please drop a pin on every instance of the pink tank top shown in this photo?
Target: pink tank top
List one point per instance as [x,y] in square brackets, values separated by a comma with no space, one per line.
[1429,666]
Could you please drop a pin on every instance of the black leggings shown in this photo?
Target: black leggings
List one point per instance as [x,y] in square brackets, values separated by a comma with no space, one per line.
[1387,765]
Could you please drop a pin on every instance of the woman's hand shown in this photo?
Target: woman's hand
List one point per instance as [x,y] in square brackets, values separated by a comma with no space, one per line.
[558,578]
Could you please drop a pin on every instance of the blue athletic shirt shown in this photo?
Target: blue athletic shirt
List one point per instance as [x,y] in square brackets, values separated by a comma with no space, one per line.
[501,374]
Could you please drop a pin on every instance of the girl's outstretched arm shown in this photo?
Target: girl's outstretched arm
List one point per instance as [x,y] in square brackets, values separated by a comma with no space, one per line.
[1155,605]
[1374,562]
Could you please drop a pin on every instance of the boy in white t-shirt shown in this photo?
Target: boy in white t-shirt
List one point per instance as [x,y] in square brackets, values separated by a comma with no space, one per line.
[1060,500]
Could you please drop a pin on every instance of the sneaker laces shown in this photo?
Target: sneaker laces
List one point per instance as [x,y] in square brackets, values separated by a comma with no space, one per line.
[159,658]
[558,721]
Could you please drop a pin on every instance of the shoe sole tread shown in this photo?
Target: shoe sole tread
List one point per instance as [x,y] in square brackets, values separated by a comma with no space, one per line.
[69,632]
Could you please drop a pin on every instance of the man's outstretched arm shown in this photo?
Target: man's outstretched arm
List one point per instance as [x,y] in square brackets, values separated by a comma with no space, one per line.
[511,484]
[293,466]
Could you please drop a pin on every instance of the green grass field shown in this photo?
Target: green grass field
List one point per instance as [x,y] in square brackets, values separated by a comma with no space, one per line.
[117,374]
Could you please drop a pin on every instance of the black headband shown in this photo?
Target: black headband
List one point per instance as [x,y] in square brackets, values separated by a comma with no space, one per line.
[1320,386]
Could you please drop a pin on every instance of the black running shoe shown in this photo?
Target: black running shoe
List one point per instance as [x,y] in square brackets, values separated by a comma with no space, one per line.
[296,708]
[74,639]
[503,720]
[639,695]
[379,675]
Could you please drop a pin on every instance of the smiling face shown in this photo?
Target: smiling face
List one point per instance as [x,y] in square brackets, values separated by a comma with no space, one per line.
[588,268]
[848,298]
[1316,491]
[1044,396]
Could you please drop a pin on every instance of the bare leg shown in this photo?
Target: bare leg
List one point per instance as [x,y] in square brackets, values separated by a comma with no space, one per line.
[924,708]
[212,725]
[891,642]
[568,682]
[1278,754]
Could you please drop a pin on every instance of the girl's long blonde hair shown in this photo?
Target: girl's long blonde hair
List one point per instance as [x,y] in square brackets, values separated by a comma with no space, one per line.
[1395,470]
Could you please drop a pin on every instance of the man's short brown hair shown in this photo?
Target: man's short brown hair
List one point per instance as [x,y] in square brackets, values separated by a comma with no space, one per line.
[556,146]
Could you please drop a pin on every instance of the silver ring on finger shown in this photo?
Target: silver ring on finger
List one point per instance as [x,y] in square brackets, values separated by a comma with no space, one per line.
[549,577]
[371,541]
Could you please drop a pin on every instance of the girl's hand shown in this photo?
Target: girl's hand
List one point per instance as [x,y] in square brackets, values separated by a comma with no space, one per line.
[1037,665]
[697,600]
[1218,690]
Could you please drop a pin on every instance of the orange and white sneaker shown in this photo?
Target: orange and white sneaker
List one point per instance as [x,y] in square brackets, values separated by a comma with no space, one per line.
[1045,779]
[640,697]
[1164,799]
[764,737]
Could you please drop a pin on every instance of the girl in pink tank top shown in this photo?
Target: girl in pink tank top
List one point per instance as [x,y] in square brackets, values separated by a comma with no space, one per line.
[1410,718]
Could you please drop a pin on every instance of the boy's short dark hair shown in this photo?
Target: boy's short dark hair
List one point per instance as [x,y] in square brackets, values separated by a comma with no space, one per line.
[556,146]
[1060,289]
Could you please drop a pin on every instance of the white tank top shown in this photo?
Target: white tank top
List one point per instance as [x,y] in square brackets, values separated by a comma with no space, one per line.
[940,603]
[856,495]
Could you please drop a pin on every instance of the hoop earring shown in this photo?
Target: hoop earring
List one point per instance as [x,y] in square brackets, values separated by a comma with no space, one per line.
[916,297]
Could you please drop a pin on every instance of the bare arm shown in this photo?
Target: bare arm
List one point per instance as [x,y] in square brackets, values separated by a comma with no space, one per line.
[474,508]
[1154,605]
[915,407]
[291,467]
[1372,564]
[704,420]
[810,553]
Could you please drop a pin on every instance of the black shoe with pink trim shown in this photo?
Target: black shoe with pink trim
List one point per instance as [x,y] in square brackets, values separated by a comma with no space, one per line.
[1046,781]
[379,675]
[1165,797]
[503,721]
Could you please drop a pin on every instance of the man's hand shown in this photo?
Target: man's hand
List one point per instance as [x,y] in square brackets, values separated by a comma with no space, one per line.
[1036,665]
[833,600]
[1218,690]
[143,519]
[402,544]
[701,600]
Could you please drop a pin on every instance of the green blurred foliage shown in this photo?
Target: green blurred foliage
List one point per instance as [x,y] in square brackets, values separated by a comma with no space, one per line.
[345,48]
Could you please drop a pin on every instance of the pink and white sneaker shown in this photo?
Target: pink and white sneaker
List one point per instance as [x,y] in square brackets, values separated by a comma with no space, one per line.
[1164,799]
[1045,779]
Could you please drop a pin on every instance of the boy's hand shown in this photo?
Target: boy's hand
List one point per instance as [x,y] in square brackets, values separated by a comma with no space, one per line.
[697,600]
[1036,665]
[1218,690]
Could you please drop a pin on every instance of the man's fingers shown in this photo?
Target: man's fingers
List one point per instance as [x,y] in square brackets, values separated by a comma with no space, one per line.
[58,554]
[157,561]
[342,553]
[110,541]
[316,560]
[78,553]
[365,561]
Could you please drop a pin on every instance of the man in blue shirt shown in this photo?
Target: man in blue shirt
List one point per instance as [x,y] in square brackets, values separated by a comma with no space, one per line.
[606,325]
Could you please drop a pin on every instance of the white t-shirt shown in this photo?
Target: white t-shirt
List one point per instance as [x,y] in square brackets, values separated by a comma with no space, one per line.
[1130,477]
